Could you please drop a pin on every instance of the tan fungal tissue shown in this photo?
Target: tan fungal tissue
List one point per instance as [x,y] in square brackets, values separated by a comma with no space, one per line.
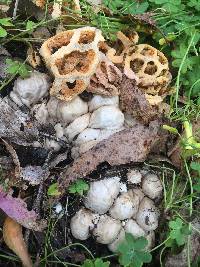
[72,57]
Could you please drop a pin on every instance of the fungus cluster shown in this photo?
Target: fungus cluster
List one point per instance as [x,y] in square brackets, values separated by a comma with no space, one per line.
[81,60]
[82,123]
[110,210]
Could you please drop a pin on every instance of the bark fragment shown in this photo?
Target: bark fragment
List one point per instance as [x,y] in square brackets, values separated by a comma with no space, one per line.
[129,145]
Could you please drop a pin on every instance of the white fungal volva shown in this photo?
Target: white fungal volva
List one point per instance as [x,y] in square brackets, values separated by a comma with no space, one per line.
[148,214]
[30,90]
[107,117]
[125,206]
[98,101]
[133,228]
[77,126]
[120,238]
[71,110]
[102,194]
[152,186]
[134,176]
[82,223]
[107,229]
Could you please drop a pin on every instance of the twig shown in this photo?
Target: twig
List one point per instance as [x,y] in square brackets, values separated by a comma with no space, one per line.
[15,9]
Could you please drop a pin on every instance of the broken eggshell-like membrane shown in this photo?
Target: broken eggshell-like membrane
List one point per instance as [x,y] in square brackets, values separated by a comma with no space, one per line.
[119,212]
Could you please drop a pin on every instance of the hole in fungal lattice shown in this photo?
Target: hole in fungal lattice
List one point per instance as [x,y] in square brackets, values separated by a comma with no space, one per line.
[151,68]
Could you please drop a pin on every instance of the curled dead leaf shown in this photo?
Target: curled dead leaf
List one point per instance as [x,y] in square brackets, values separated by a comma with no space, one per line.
[16,209]
[13,237]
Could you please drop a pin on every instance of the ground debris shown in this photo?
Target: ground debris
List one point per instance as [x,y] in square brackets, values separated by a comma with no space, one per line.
[129,145]
[16,126]
[16,209]
[134,102]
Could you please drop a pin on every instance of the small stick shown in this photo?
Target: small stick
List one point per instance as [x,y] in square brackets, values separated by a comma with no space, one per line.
[15,9]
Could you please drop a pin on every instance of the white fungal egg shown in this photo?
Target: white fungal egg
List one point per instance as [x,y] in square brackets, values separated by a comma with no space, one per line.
[152,186]
[134,177]
[125,206]
[115,244]
[70,110]
[139,193]
[148,214]
[30,90]
[107,229]
[59,130]
[133,228]
[151,239]
[87,135]
[107,117]
[101,194]
[123,188]
[98,101]
[82,223]
[77,126]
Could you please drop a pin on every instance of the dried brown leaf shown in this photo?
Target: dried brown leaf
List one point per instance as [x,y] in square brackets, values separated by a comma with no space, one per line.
[133,101]
[129,145]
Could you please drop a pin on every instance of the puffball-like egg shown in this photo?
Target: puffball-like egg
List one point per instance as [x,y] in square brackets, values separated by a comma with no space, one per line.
[151,239]
[133,228]
[30,90]
[98,101]
[125,206]
[139,193]
[152,186]
[82,223]
[101,194]
[107,117]
[77,126]
[115,244]
[107,229]
[87,135]
[70,110]
[148,214]
[134,177]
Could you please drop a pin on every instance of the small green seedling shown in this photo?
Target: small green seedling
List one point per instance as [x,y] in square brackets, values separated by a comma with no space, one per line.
[30,26]
[53,190]
[96,263]
[78,187]
[170,129]
[132,252]
[178,232]
[15,67]
[5,22]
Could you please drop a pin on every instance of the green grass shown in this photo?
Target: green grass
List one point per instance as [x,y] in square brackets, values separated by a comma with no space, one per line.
[177,34]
